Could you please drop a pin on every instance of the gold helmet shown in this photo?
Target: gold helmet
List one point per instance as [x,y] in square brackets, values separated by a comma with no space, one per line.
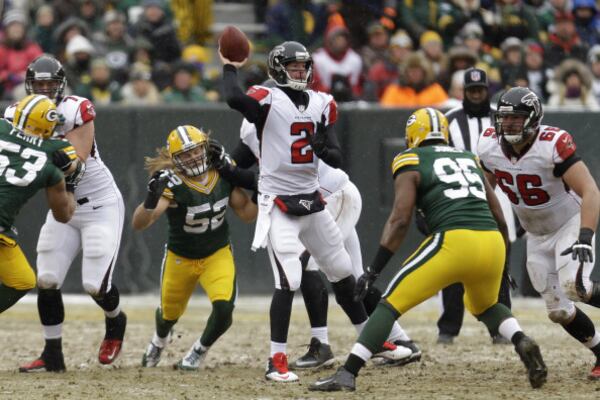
[36,115]
[426,124]
[182,144]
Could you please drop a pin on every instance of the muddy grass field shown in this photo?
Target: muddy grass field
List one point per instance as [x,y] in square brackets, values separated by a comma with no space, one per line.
[472,368]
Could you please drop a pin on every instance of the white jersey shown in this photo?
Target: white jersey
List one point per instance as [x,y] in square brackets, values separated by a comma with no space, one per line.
[97,182]
[287,163]
[533,182]
[331,179]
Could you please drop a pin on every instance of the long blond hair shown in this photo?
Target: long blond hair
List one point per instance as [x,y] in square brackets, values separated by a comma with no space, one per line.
[162,160]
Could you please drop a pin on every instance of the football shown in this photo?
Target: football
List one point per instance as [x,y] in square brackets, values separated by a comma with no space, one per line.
[233,44]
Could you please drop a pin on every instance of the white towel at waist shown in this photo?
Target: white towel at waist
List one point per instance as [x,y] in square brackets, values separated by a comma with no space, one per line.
[263,221]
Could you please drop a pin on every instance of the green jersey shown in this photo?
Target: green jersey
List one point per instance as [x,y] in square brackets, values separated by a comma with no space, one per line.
[451,192]
[197,225]
[25,167]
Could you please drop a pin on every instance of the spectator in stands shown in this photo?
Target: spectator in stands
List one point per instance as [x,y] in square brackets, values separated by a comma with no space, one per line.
[432,48]
[142,52]
[79,55]
[536,70]
[512,60]
[416,87]
[90,11]
[454,15]
[42,32]
[572,87]
[116,45]
[296,20]
[459,58]
[101,89]
[511,18]
[471,35]
[587,21]
[356,16]
[564,42]
[417,17]
[194,20]
[67,30]
[154,26]
[594,64]
[385,72]
[377,48]
[183,90]
[337,68]
[16,52]
[140,90]
[456,93]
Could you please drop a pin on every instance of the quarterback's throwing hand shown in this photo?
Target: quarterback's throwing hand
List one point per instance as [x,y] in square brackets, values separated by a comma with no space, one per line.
[582,248]
[156,186]
[363,284]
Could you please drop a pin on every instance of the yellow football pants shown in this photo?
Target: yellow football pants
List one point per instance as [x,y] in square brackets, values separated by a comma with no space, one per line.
[215,273]
[473,258]
[15,271]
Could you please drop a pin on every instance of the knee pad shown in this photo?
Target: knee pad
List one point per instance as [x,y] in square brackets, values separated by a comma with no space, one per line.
[47,280]
[560,316]
[47,240]
[334,266]
[294,280]
[98,242]
[92,289]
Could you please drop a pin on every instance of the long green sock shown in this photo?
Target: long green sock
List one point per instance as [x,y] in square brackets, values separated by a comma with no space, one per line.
[163,327]
[9,296]
[219,321]
[493,317]
[378,328]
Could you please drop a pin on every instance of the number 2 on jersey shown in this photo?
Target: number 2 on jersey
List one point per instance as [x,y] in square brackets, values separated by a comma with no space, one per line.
[461,174]
[301,151]
[31,168]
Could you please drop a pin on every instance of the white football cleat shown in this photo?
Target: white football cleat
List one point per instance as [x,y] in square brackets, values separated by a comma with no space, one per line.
[193,359]
[390,351]
[277,369]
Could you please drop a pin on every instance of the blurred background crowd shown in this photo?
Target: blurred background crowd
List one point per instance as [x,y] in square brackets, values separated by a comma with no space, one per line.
[399,53]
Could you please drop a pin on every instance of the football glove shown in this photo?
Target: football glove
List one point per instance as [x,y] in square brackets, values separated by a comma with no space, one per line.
[156,186]
[216,154]
[582,248]
[364,283]
[73,179]
[318,140]
[64,158]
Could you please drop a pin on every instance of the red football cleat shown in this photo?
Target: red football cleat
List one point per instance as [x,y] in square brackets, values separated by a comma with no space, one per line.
[595,374]
[109,350]
[56,364]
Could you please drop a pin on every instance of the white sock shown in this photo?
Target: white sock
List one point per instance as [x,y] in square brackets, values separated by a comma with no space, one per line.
[278,348]
[52,331]
[359,327]
[198,345]
[593,341]
[158,341]
[361,351]
[397,333]
[113,313]
[320,333]
[509,327]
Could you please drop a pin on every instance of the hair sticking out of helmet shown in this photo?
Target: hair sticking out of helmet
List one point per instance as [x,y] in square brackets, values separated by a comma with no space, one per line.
[46,76]
[290,65]
[426,124]
[518,116]
[188,148]
[36,115]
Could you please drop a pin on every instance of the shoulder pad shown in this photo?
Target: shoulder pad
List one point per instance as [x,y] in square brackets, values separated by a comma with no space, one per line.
[404,159]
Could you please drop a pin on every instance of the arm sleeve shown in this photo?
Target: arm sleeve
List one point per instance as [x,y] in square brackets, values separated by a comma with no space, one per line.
[236,98]
[243,156]
[240,177]
[333,155]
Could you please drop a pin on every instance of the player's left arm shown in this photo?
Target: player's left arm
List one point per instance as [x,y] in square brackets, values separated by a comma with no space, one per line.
[579,178]
[496,210]
[324,141]
[82,138]
[242,205]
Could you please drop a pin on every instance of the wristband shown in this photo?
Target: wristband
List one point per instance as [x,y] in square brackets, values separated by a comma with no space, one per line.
[151,201]
[381,259]
[586,235]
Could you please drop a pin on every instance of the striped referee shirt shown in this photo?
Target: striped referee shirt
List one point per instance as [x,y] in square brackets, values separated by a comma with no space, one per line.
[465,130]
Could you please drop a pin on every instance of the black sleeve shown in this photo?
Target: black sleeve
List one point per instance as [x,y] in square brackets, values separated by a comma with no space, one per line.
[333,155]
[560,169]
[236,98]
[240,177]
[243,156]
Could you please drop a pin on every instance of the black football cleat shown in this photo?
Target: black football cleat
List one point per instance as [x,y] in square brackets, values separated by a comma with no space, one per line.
[530,354]
[342,380]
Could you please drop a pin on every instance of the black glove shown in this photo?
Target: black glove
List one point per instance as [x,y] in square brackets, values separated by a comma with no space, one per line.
[156,186]
[364,283]
[62,159]
[217,156]
[73,179]
[582,248]
[318,140]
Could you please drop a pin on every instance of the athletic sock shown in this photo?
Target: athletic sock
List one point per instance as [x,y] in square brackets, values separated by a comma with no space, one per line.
[321,334]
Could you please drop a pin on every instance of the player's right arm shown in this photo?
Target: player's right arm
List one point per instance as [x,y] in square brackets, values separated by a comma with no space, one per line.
[496,209]
[143,217]
[60,201]
[235,97]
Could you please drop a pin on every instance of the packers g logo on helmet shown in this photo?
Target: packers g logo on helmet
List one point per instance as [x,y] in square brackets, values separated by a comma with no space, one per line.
[36,115]
[426,124]
[188,147]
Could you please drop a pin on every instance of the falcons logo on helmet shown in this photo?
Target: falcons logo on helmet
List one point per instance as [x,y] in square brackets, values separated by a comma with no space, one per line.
[532,100]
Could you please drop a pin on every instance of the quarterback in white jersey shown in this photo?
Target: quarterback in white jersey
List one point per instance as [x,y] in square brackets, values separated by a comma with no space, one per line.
[295,129]
[95,227]
[557,201]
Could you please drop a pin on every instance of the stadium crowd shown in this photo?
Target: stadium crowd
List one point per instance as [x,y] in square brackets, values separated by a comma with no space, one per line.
[400,53]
